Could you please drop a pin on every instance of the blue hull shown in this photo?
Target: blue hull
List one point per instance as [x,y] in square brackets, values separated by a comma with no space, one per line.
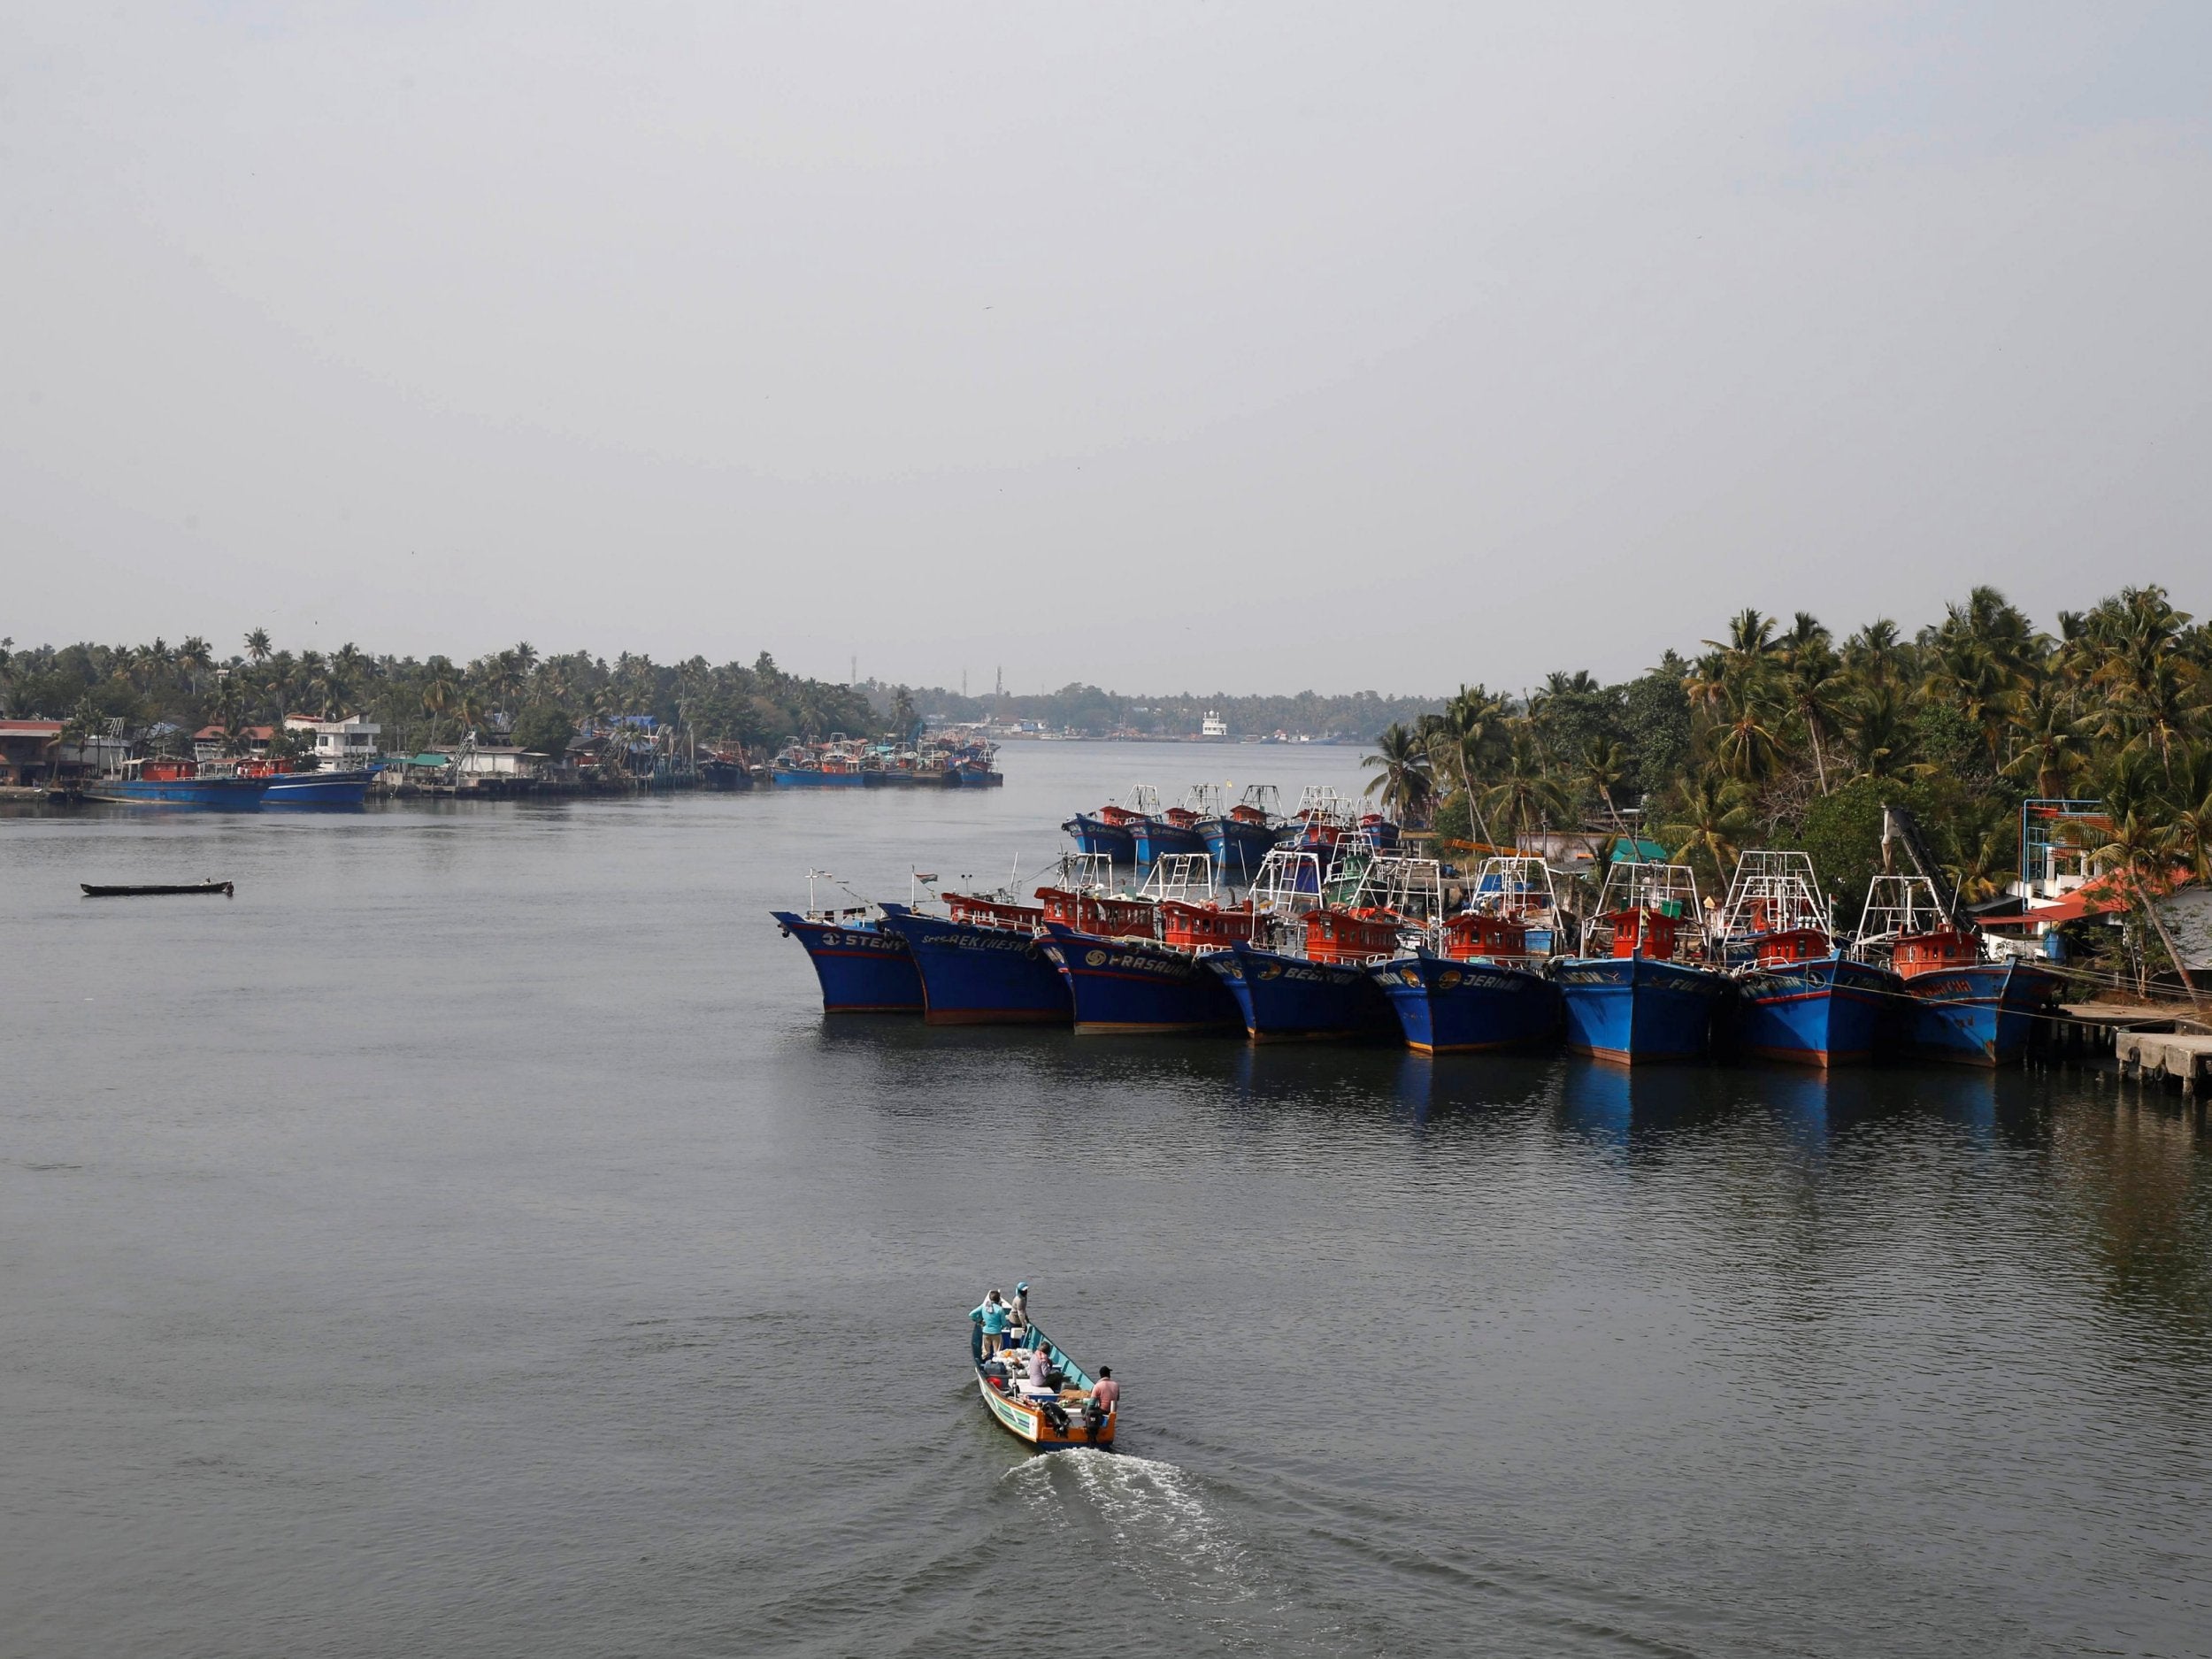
[1154,840]
[791,779]
[1447,1007]
[863,969]
[1833,1011]
[1099,838]
[1238,848]
[231,794]
[980,976]
[1287,997]
[1979,1015]
[1130,985]
[319,788]
[1632,1009]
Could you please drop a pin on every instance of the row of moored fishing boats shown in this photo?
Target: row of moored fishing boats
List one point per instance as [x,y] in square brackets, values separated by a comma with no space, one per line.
[1340,934]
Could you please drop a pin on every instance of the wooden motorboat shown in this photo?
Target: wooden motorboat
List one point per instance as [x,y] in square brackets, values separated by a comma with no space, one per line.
[152,890]
[1023,1414]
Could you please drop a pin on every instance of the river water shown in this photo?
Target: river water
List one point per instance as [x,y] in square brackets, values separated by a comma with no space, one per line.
[473,1239]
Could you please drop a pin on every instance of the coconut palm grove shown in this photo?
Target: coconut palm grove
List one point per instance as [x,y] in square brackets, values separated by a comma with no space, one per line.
[1781,735]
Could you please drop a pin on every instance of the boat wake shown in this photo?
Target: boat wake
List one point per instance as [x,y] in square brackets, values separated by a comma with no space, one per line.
[1150,1521]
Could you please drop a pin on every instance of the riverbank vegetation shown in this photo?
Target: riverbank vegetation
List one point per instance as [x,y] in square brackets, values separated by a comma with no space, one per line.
[1782,734]
[420,703]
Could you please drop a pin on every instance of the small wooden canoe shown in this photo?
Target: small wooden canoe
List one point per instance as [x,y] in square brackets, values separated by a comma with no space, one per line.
[152,890]
[1026,1418]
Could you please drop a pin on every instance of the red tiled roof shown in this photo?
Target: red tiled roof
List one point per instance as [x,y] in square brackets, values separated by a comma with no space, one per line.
[2101,897]
[30,728]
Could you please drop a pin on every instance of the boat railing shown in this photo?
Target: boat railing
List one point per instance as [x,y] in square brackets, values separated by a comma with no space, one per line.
[1182,878]
[1635,885]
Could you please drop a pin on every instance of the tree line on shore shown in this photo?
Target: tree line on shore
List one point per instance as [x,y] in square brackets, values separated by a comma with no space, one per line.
[420,703]
[1780,736]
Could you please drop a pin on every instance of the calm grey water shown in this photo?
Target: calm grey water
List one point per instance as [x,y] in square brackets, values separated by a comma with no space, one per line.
[471,1239]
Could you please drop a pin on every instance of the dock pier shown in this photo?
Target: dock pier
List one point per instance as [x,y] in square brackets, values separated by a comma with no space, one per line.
[2145,1044]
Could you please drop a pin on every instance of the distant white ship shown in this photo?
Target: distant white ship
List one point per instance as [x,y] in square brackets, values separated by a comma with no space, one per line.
[1213,725]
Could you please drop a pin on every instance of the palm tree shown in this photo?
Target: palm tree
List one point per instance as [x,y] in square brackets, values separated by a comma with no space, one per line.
[1404,782]
[1602,763]
[1526,792]
[2133,838]
[1708,823]
[440,692]
[1812,688]
[1745,745]
[257,646]
[1876,731]
[2048,747]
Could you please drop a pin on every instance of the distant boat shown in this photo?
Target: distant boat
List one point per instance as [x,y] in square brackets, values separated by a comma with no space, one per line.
[1240,839]
[153,889]
[1111,831]
[176,783]
[1302,974]
[348,787]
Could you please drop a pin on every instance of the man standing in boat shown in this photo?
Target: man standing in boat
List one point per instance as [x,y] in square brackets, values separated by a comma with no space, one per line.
[1104,1392]
[992,1312]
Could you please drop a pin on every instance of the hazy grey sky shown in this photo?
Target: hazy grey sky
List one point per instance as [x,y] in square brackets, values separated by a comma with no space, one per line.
[1205,345]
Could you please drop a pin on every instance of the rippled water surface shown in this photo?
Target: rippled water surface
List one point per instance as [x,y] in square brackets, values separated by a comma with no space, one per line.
[471,1239]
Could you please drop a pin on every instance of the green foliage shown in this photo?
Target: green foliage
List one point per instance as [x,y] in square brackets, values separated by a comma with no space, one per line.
[545,728]
[1656,725]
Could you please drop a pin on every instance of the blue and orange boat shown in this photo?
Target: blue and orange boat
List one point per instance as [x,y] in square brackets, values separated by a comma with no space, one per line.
[1111,832]
[177,783]
[1478,982]
[1302,975]
[1052,1418]
[1159,834]
[1799,998]
[1956,1003]
[1241,838]
[863,969]
[1154,978]
[1639,1004]
[981,963]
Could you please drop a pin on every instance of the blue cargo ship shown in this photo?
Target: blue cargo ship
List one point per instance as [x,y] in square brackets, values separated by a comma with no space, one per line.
[982,965]
[1100,836]
[177,783]
[320,788]
[863,970]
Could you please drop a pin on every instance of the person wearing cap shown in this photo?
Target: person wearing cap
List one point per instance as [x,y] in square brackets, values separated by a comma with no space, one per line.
[1020,1305]
[992,1313]
[1104,1392]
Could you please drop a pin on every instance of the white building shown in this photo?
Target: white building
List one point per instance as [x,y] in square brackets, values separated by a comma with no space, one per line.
[496,760]
[340,745]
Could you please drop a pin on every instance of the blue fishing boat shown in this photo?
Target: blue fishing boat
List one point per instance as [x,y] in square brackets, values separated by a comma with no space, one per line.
[1478,982]
[177,783]
[1957,1003]
[1638,1003]
[1240,839]
[981,963]
[863,969]
[321,788]
[838,764]
[1302,975]
[1799,998]
[1160,835]
[1111,831]
[1154,982]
